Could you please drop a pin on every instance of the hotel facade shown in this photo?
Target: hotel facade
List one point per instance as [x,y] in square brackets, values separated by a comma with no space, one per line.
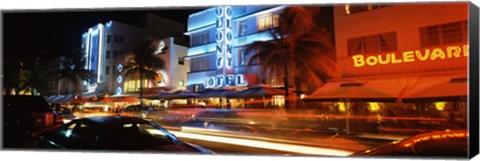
[218,37]
[107,47]
[400,60]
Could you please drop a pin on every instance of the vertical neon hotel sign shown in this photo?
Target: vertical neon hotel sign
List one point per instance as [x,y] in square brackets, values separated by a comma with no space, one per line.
[224,56]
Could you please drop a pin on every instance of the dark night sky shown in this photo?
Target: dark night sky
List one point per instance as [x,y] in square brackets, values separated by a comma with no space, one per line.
[49,34]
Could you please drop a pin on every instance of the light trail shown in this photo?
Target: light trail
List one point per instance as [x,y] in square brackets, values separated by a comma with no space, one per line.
[299,149]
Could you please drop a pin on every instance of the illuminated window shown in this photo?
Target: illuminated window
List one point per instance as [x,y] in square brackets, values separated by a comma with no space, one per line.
[378,43]
[454,32]
[268,21]
[181,83]
[351,9]
[278,100]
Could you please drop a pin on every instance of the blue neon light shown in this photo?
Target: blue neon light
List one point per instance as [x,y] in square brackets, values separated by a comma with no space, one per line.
[118,91]
[201,49]
[119,67]
[119,79]
[109,23]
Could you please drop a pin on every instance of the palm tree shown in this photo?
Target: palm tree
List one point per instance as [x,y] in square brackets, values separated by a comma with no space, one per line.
[73,73]
[297,43]
[146,62]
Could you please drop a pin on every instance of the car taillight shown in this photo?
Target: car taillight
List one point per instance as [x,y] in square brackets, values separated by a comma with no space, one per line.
[49,119]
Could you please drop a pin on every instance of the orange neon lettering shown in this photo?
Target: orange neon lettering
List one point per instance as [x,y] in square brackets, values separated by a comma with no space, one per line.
[437,53]
[394,60]
[372,60]
[424,56]
[386,61]
[358,60]
[465,50]
[453,51]
[408,56]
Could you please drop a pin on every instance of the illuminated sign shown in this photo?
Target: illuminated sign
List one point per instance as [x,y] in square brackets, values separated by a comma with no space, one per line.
[161,45]
[118,91]
[227,80]
[119,79]
[411,56]
[119,68]
[224,61]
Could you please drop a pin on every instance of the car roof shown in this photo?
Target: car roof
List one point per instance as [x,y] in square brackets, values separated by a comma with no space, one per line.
[112,120]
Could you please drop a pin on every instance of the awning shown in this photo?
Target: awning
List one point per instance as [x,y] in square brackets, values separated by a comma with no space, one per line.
[180,94]
[446,88]
[60,99]
[258,91]
[364,91]
[217,93]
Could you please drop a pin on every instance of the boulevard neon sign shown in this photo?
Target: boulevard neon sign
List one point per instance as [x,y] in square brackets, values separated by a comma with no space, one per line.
[411,56]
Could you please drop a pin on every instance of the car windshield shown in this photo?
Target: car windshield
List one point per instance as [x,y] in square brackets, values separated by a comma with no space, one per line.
[136,136]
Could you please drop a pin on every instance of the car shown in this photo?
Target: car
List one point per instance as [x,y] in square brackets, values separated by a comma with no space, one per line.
[220,119]
[449,143]
[139,111]
[27,117]
[115,133]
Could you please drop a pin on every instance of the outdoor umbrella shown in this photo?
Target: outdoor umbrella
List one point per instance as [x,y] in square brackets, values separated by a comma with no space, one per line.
[258,91]
[158,95]
[107,100]
[222,92]
[181,94]
[437,90]
[360,91]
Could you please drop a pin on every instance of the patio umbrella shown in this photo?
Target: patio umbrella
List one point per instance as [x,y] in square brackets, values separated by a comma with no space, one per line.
[181,94]
[258,91]
[360,91]
[440,89]
[222,92]
[107,100]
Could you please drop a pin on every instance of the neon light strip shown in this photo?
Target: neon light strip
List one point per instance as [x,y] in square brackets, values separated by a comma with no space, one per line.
[300,149]
[100,45]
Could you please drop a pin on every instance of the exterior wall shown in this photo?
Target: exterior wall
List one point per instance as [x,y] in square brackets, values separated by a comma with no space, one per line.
[205,21]
[406,20]
[172,73]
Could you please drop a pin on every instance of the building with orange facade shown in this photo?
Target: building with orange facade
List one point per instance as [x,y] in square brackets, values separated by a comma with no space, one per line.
[401,62]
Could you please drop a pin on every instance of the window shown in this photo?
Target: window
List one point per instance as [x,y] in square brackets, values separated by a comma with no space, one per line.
[117,39]
[351,9]
[242,28]
[268,21]
[181,60]
[200,38]
[109,38]
[117,53]
[241,57]
[107,70]
[107,55]
[199,64]
[379,43]
[455,32]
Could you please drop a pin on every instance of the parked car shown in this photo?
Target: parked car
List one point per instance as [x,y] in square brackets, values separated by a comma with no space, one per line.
[27,117]
[220,119]
[116,133]
[431,144]
[136,111]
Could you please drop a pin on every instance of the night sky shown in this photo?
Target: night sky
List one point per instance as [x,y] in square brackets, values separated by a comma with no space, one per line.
[52,33]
